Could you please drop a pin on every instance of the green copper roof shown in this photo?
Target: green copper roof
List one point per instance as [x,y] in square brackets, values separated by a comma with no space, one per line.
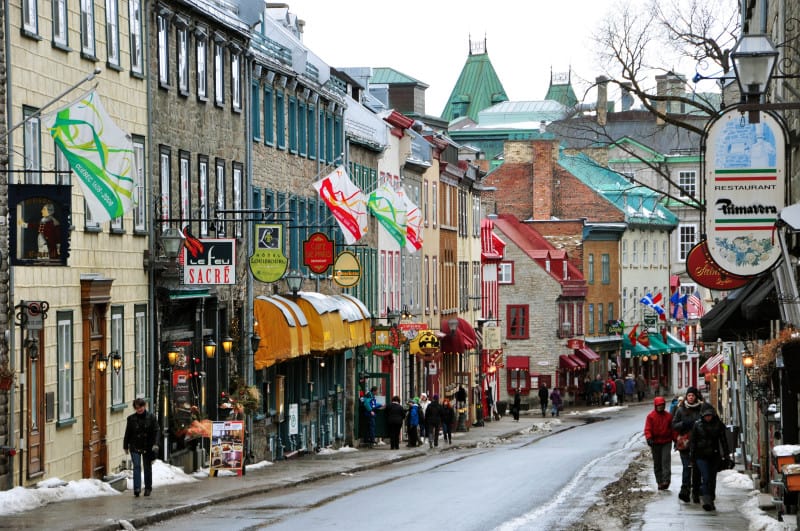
[391,76]
[477,88]
[563,94]
[641,205]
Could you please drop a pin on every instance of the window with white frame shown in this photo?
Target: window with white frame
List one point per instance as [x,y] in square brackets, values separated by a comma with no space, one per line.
[183,60]
[635,253]
[201,51]
[237,196]
[624,314]
[60,24]
[112,32]
[165,171]
[89,221]
[219,71]
[162,22]
[185,195]
[87,28]
[135,23]
[645,252]
[687,182]
[505,272]
[688,238]
[140,358]
[664,253]
[435,274]
[65,365]
[655,251]
[590,269]
[32,146]
[236,81]
[605,268]
[624,252]
[476,216]
[140,208]
[30,17]
[435,204]
[220,184]
[118,348]
[590,318]
[202,192]
[427,284]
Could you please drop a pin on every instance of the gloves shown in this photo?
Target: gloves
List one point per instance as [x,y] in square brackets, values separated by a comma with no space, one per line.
[650,442]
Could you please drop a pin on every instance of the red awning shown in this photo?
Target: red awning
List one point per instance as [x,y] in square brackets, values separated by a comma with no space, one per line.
[518,362]
[462,340]
[570,363]
[713,365]
[586,354]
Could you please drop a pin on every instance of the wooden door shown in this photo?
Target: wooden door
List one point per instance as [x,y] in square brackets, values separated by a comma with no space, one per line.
[34,379]
[95,296]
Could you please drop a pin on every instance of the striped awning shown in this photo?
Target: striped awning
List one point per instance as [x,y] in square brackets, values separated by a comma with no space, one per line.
[713,365]
[568,362]
[586,354]
[327,329]
[284,331]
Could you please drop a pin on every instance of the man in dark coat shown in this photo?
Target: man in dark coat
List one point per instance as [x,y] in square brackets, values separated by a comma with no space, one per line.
[394,420]
[686,414]
[543,396]
[141,440]
[709,451]
[433,421]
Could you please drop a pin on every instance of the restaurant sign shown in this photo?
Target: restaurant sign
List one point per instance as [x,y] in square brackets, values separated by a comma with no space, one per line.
[745,174]
[703,270]
[209,262]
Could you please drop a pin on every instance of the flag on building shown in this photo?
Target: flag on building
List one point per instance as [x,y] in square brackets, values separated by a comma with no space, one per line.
[390,210]
[694,306]
[632,335]
[413,224]
[347,203]
[644,338]
[100,153]
[678,303]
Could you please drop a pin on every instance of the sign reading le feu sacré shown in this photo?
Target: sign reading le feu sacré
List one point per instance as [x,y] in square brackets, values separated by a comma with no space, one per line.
[212,261]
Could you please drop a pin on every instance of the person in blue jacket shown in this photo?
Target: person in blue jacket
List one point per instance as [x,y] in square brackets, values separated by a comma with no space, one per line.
[413,419]
[371,408]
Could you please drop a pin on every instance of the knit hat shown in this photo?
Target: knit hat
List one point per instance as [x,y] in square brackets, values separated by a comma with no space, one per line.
[416,400]
[707,409]
[694,391]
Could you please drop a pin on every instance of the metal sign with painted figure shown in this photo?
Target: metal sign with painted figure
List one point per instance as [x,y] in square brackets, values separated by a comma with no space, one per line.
[745,189]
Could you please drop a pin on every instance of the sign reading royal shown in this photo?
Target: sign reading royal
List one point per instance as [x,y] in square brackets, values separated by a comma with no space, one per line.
[745,170]
[211,262]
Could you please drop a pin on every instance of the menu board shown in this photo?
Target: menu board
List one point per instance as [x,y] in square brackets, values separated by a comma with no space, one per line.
[227,446]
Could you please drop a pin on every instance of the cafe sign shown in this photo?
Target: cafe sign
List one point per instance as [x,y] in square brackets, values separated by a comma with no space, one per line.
[210,262]
[268,263]
[745,188]
[318,252]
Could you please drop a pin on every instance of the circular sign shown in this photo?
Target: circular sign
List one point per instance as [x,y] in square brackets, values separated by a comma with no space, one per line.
[34,308]
[347,270]
[705,271]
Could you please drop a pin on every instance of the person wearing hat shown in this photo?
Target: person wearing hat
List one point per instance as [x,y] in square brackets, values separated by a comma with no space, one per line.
[371,407]
[658,433]
[686,414]
[709,451]
[423,406]
[394,420]
[433,421]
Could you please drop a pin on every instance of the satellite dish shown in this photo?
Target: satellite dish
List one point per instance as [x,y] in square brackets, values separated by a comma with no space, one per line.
[250,11]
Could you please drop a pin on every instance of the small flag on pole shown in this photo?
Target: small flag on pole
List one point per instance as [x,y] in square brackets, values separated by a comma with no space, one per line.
[100,154]
[694,306]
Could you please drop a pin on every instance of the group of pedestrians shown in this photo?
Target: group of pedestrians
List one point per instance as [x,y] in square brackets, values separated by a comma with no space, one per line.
[425,420]
[697,433]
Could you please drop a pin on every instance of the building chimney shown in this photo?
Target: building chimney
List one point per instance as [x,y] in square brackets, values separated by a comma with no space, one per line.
[602,99]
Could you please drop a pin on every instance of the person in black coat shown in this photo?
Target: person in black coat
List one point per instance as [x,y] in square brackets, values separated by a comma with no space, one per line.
[394,420]
[543,396]
[517,405]
[433,421]
[709,451]
[448,418]
[141,440]
[686,414]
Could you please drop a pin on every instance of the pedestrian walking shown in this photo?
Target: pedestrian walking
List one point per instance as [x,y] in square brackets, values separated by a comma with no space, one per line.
[433,421]
[556,402]
[597,390]
[413,422]
[423,428]
[394,421]
[630,387]
[686,414]
[709,450]
[658,433]
[544,394]
[516,406]
[641,387]
[141,440]
[619,388]
[370,411]
[448,418]
[610,392]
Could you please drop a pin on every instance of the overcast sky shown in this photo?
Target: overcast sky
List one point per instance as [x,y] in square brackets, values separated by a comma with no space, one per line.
[429,39]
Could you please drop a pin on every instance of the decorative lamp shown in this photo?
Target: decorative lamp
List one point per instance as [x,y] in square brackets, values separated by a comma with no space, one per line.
[210,347]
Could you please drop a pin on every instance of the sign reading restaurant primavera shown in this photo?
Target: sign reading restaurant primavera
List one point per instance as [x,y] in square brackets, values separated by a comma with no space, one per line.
[745,170]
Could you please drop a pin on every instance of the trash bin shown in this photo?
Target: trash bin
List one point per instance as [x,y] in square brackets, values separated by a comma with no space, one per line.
[732,437]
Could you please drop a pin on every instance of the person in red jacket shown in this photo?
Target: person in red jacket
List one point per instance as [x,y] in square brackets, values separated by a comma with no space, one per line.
[659,436]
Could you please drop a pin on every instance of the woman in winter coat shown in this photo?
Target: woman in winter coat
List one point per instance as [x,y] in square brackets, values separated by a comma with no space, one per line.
[517,404]
[709,451]
[658,433]
[555,400]
[448,417]
[414,417]
[686,414]
[394,420]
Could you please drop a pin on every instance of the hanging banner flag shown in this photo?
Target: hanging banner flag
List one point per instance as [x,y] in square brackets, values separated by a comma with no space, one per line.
[347,203]
[390,209]
[413,224]
[99,152]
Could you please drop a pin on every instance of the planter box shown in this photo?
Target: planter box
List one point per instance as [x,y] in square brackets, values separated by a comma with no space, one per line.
[783,460]
[792,482]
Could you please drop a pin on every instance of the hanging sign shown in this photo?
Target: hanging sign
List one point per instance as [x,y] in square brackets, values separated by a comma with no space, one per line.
[40,219]
[347,270]
[211,262]
[745,176]
[268,263]
[318,252]
[703,270]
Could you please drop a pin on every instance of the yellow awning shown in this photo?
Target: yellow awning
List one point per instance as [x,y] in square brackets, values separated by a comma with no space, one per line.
[354,320]
[324,320]
[366,322]
[284,333]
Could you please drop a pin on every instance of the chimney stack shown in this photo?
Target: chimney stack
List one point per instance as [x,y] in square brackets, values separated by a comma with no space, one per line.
[602,99]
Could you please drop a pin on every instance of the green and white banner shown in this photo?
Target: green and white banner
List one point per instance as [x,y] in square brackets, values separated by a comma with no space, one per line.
[99,152]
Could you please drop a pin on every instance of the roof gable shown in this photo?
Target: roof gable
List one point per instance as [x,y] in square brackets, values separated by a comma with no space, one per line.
[477,88]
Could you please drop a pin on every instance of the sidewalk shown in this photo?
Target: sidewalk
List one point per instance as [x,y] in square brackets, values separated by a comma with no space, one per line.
[107,512]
